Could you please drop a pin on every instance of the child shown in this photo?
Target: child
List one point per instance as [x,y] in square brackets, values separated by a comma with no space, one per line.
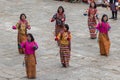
[104,42]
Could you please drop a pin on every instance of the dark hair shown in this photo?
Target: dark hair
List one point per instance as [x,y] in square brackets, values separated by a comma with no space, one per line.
[67,26]
[95,6]
[104,15]
[61,8]
[32,38]
[22,15]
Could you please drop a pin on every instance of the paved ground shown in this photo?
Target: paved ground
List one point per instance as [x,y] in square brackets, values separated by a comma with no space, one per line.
[86,62]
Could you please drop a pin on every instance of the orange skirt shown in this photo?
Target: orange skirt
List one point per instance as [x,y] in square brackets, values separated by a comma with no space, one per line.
[104,44]
[21,38]
[30,62]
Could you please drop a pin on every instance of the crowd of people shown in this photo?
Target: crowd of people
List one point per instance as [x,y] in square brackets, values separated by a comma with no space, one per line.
[27,44]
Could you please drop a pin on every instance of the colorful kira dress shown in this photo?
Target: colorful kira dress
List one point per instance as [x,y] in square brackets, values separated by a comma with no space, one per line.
[65,47]
[103,39]
[60,21]
[30,58]
[22,27]
[92,22]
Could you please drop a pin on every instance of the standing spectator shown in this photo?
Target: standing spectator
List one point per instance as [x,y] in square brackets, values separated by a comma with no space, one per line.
[113,6]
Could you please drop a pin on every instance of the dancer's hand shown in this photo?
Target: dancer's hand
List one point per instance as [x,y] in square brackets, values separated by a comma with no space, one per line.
[14,27]
[28,27]
[52,20]
[56,39]
[68,39]
[34,47]
[19,46]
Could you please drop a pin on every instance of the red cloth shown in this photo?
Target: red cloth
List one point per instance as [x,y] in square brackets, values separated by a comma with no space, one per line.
[56,39]
[68,39]
[52,20]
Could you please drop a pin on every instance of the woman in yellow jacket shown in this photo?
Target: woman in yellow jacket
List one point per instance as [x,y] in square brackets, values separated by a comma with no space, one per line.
[64,37]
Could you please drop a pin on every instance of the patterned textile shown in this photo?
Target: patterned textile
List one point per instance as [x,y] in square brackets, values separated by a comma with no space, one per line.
[65,47]
[65,55]
[92,22]
[92,31]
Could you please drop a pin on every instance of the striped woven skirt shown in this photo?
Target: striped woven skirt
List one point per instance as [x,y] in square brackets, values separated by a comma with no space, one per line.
[92,27]
[65,55]
[92,31]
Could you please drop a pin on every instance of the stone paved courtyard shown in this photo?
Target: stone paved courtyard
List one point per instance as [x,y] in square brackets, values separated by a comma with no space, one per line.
[86,62]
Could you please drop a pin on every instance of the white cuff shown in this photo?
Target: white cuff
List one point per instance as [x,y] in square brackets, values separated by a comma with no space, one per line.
[116,3]
[108,0]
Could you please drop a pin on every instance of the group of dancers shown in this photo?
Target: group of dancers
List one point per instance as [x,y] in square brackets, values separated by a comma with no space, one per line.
[28,46]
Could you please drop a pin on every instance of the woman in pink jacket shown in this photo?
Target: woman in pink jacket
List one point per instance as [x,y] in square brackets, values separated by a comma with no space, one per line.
[104,42]
[30,59]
